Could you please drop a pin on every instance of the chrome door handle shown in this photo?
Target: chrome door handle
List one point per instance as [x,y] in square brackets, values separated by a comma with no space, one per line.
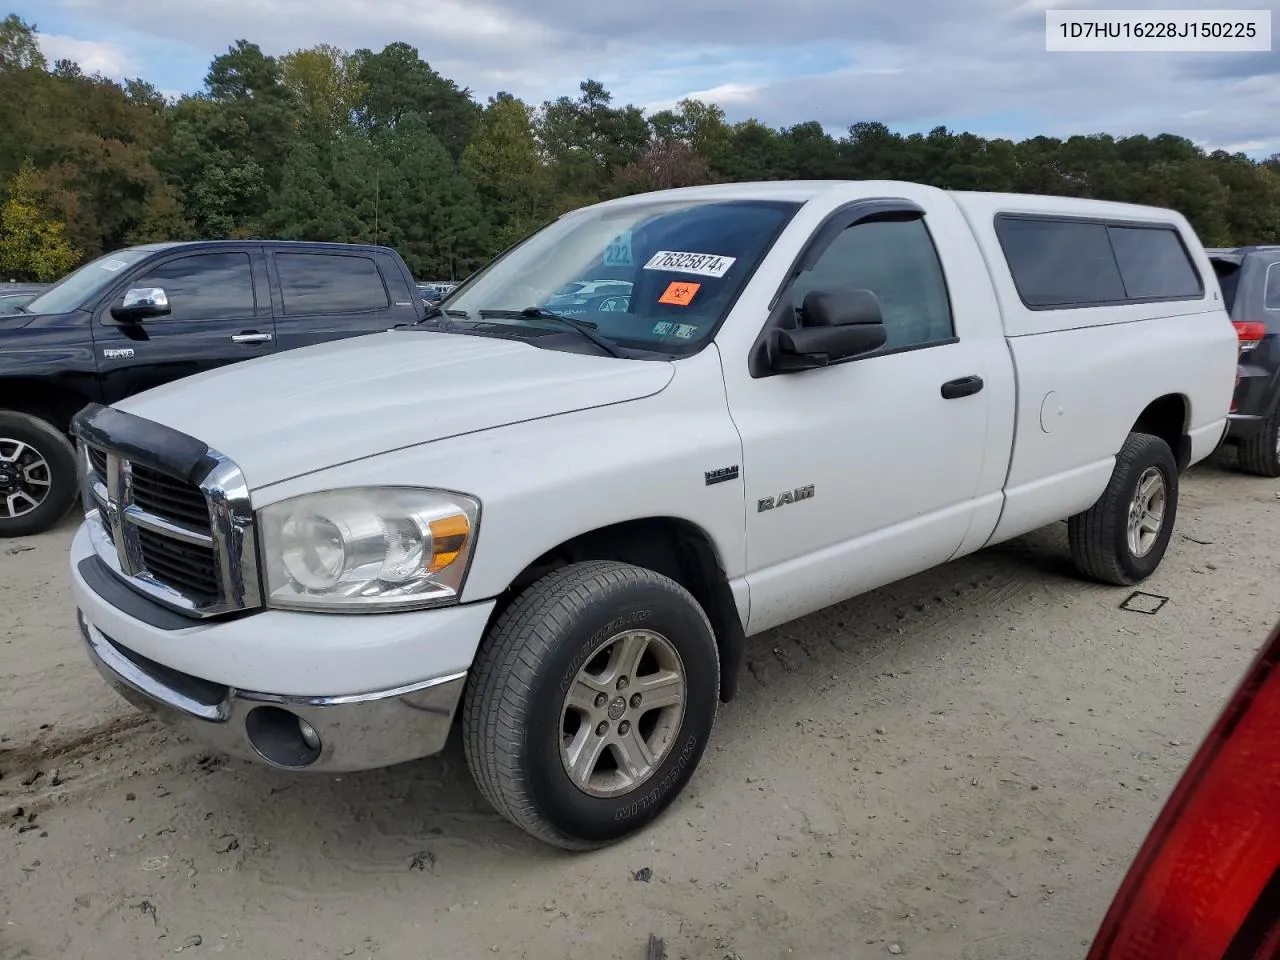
[250,338]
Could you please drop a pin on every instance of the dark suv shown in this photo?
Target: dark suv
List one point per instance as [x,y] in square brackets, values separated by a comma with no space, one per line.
[1250,280]
[145,316]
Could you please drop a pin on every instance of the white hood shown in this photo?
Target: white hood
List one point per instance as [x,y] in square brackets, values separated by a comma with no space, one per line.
[306,409]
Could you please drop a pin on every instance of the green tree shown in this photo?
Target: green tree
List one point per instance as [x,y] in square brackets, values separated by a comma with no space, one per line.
[145,94]
[701,125]
[811,152]
[1189,187]
[19,49]
[326,82]
[91,147]
[1253,210]
[396,82]
[330,192]
[587,138]
[208,158]
[754,152]
[402,189]
[869,151]
[24,86]
[262,112]
[503,163]
[224,150]
[428,210]
[33,246]
[328,145]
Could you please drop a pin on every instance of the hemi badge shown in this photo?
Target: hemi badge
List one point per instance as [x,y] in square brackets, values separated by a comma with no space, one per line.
[721,475]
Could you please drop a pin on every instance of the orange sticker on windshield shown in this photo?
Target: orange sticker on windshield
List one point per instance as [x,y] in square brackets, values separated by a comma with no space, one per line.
[679,293]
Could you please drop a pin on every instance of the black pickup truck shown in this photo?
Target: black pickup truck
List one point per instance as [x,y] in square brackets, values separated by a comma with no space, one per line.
[147,315]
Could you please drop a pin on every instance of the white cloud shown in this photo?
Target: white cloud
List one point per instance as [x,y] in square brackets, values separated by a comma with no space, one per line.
[727,95]
[909,64]
[94,56]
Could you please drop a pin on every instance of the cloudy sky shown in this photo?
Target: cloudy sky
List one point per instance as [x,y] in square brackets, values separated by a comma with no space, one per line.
[977,65]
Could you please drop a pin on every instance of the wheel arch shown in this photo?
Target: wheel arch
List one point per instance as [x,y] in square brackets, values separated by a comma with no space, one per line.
[1169,417]
[50,402]
[671,546]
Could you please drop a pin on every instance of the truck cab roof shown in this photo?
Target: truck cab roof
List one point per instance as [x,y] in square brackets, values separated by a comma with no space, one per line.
[268,244]
[973,201]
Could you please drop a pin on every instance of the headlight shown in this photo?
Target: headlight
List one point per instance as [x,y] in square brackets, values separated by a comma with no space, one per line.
[367,549]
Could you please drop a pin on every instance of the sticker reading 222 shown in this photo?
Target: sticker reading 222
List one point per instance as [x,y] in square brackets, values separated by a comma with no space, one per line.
[699,264]
[618,252]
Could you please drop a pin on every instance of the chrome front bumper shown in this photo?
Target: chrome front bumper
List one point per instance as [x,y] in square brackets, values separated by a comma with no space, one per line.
[325,734]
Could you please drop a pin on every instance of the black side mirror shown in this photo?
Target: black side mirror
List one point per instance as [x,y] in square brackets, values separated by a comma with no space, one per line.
[833,326]
[142,303]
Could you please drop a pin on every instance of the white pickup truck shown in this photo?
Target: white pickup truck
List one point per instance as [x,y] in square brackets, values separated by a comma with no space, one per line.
[562,527]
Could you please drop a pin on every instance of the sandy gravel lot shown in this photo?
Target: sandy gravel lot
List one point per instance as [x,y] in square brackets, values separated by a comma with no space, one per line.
[958,766]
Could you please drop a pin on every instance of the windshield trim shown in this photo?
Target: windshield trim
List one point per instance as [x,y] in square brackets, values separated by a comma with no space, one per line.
[467,282]
[667,351]
[132,256]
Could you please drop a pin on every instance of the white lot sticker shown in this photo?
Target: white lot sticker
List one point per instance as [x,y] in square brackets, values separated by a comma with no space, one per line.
[618,252]
[699,264]
[112,265]
[684,331]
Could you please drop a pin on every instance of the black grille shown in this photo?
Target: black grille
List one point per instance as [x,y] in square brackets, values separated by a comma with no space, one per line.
[187,568]
[99,461]
[175,500]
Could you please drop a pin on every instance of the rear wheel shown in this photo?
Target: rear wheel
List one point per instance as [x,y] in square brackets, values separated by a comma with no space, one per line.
[591,702]
[1260,454]
[1122,538]
[37,475]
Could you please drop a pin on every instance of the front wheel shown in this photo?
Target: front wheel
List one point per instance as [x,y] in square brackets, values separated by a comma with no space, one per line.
[591,702]
[37,475]
[1122,538]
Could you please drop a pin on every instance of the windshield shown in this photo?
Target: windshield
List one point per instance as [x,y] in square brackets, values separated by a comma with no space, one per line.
[75,289]
[14,302]
[656,275]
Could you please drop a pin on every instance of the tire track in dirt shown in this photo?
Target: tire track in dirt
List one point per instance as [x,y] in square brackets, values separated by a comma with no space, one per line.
[38,776]
[54,751]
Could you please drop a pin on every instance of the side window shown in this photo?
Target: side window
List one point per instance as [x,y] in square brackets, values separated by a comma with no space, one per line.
[1229,280]
[1271,296]
[1154,264]
[1060,263]
[898,263]
[204,286]
[1074,263]
[330,283]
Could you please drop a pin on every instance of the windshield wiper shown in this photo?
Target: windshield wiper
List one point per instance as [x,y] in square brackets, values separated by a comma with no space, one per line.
[434,312]
[584,327]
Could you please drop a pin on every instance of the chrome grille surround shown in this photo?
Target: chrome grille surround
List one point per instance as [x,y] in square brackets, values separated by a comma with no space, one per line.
[116,523]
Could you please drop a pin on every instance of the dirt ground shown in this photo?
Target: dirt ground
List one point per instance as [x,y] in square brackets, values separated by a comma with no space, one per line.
[957,766]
